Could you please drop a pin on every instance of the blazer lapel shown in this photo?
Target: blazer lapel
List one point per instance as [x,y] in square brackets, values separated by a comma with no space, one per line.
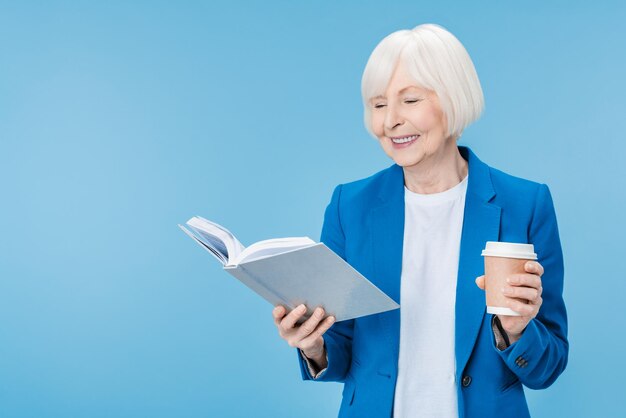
[481,223]
[386,222]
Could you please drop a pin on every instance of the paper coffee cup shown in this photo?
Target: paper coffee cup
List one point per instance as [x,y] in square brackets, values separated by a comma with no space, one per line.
[503,259]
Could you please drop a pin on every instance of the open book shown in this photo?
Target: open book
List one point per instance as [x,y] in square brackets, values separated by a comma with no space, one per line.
[220,242]
[291,271]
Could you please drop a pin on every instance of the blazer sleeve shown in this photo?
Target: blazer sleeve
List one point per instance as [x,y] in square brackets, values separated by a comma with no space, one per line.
[540,355]
[338,338]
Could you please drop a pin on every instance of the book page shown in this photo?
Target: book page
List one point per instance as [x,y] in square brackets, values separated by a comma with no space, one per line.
[217,235]
[218,250]
[271,247]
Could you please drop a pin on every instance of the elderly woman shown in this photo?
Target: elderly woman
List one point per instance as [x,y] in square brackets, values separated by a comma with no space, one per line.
[416,230]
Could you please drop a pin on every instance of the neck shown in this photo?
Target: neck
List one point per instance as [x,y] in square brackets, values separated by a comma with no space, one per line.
[438,172]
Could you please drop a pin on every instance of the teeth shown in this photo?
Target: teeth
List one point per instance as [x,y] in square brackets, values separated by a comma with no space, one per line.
[404,140]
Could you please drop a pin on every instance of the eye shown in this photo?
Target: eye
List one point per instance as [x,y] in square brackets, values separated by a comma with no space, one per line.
[379,106]
[411,101]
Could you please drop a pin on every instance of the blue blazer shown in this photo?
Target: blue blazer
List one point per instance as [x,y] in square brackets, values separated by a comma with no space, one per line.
[364,224]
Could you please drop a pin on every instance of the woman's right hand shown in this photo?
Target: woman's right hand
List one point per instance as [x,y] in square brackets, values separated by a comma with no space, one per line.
[308,336]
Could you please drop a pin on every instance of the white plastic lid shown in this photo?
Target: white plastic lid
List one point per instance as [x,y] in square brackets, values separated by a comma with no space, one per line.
[509,250]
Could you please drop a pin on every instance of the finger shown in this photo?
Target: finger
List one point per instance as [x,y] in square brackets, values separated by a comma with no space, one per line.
[319,331]
[278,313]
[309,326]
[292,317]
[534,267]
[521,279]
[524,309]
[480,282]
[521,292]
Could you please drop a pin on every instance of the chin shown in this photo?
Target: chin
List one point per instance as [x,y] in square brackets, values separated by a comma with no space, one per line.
[408,164]
[405,160]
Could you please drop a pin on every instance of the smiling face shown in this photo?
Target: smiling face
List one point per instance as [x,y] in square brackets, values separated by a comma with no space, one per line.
[409,122]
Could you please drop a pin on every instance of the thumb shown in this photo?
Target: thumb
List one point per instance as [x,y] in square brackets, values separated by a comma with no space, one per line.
[480,282]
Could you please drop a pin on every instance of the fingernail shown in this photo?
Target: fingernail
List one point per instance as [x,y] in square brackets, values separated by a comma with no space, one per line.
[301,308]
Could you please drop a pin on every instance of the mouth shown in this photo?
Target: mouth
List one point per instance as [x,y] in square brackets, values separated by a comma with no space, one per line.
[403,140]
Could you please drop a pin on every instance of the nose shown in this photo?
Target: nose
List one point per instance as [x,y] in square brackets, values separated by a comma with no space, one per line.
[392,118]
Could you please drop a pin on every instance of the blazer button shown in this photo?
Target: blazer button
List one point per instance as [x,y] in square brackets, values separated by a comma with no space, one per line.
[467,380]
[521,362]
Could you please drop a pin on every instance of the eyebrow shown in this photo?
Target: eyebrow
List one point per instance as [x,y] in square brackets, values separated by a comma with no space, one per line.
[402,90]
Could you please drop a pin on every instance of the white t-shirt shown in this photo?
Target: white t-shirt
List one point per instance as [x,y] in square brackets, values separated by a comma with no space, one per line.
[430,261]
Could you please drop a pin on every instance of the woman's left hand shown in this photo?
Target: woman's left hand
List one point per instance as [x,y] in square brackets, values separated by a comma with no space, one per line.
[523,295]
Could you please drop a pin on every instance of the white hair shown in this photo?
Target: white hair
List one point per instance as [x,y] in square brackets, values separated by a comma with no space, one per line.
[437,61]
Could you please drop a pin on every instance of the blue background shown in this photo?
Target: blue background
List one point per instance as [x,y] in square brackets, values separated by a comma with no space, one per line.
[119,120]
